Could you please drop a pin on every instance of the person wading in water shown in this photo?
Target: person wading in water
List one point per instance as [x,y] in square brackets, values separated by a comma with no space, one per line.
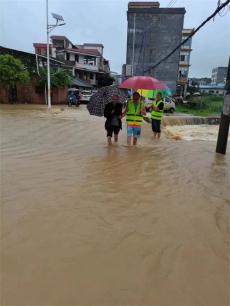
[134,117]
[156,115]
[113,115]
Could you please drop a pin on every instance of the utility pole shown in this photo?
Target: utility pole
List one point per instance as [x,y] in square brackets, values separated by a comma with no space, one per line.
[49,28]
[48,56]
[225,119]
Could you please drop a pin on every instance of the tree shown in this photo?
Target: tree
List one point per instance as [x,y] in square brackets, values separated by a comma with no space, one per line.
[58,78]
[193,88]
[12,71]
[105,80]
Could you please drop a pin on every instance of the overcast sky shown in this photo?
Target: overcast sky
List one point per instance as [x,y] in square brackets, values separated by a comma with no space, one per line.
[23,22]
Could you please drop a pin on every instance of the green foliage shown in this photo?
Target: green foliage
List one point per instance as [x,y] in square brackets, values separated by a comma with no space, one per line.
[58,79]
[12,71]
[105,80]
[205,106]
[193,88]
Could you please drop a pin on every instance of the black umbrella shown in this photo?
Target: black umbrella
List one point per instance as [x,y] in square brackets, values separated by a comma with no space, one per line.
[102,97]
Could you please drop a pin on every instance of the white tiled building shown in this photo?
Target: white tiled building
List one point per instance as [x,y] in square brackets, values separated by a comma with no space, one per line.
[184,62]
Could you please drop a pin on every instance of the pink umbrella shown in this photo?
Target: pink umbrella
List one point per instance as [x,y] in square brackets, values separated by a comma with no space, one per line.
[142,82]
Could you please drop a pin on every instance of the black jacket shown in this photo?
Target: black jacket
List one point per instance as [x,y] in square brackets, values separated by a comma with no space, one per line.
[108,113]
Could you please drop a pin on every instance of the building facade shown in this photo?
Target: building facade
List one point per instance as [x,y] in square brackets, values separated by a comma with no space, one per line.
[85,61]
[219,75]
[40,49]
[184,63]
[199,81]
[218,90]
[152,33]
[117,78]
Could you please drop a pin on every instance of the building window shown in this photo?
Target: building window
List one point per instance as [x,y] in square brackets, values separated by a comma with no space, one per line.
[156,19]
[67,56]
[76,58]
[91,76]
[89,60]
[182,58]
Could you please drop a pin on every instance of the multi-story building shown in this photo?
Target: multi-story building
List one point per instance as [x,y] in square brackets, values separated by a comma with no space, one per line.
[117,77]
[40,49]
[184,62]
[152,33]
[219,75]
[199,81]
[213,89]
[85,61]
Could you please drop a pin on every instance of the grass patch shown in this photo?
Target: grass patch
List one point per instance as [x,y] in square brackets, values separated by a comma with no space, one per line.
[203,106]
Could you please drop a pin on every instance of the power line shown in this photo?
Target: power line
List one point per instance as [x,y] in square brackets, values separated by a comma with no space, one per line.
[219,8]
[225,10]
[172,3]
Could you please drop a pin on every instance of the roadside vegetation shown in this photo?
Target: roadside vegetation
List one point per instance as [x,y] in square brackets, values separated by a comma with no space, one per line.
[202,106]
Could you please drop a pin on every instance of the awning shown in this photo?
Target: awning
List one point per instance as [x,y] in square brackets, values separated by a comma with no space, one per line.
[81,83]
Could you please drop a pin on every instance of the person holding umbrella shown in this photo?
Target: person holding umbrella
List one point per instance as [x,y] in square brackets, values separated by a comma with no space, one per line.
[157,114]
[113,115]
[134,112]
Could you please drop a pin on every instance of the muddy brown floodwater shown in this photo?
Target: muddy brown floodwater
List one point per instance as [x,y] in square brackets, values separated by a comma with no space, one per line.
[87,224]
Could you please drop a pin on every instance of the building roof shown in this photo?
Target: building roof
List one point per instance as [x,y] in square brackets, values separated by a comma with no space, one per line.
[81,83]
[22,55]
[220,67]
[42,45]
[189,31]
[134,7]
[213,86]
[62,37]
[143,4]
[93,44]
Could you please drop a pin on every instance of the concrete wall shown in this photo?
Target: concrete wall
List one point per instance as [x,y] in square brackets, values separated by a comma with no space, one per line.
[157,32]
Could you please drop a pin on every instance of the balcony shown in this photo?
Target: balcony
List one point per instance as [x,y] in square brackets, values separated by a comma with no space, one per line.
[88,67]
[182,80]
[184,64]
[186,49]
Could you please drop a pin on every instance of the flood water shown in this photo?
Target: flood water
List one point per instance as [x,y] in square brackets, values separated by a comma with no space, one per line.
[87,224]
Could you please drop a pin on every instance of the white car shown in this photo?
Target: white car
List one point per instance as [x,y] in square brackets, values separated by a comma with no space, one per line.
[85,96]
[169,104]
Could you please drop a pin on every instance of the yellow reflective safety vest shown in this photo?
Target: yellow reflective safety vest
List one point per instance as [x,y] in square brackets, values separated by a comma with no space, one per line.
[133,115]
[157,115]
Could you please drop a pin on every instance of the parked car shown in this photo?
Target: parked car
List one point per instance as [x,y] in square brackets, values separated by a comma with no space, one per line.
[85,96]
[169,104]
[196,94]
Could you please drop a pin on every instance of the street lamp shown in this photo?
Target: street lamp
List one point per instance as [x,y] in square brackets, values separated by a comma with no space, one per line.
[49,28]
